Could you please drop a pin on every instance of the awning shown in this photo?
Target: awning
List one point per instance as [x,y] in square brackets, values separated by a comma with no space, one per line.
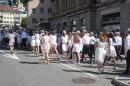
[44,22]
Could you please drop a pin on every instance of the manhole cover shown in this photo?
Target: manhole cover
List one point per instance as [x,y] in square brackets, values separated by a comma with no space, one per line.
[83,80]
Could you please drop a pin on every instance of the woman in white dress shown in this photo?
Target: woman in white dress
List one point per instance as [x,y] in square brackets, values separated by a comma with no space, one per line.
[54,43]
[0,37]
[28,43]
[19,38]
[64,40]
[59,43]
[111,52]
[33,42]
[37,42]
[100,51]
[11,41]
[76,47]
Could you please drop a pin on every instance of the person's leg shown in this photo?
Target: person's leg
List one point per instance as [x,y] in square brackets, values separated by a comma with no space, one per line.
[78,54]
[114,62]
[98,65]
[55,49]
[90,53]
[47,58]
[37,49]
[83,52]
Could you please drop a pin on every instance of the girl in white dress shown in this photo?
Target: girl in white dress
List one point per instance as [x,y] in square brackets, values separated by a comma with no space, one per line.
[19,38]
[64,40]
[54,43]
[100,51]
[33,42]
[28,43]
[37,42]
[11,41]
[111,52]
[76,47]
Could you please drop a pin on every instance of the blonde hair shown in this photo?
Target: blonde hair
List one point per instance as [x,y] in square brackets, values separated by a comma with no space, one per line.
[76,38]
[102,37]
[46,33]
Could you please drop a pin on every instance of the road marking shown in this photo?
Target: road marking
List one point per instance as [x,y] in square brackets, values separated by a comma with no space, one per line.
[13,56]
[79,70]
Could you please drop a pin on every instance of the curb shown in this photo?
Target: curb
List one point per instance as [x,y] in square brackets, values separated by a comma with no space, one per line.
[117,82]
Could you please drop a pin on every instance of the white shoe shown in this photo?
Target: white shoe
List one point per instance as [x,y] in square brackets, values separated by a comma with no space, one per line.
[60,59]
[115,68]
[98,72]
[102,69]
[73,62]
[78,63]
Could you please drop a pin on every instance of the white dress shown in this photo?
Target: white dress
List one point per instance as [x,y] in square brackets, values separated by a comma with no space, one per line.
[11,37]
[112,50]
[76,47]
[32,40]
[100,51]
[37,40]
[81,45]
[53,40]
[64,43]
[18,38]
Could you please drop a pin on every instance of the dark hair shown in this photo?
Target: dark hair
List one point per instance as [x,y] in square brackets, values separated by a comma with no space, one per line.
[11,31]
[19,32]
[112,36]
[46,33]
[53,33]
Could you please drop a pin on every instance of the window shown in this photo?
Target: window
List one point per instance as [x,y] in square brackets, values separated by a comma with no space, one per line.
[72,3]
[64,4]
[41,19]
[57,6]
[82,1]
[33,10]
[41,1]
[49,10]
[34,21]
[7,17]
[10,13]
[41,10]
[4,17]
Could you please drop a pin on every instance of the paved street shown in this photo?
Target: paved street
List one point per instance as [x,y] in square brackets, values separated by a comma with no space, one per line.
[24,68]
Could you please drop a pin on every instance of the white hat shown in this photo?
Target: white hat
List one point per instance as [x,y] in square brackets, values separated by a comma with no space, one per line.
[128,30]
[91,33]
[118,33]
[78,32]
[84,31]
[64,31]
[42,31]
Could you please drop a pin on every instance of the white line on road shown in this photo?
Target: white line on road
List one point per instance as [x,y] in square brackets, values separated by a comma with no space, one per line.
[79,70]
[13,56]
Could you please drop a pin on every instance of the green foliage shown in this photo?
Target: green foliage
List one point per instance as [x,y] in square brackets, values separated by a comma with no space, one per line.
[1,21]
[14,2]
[24,22]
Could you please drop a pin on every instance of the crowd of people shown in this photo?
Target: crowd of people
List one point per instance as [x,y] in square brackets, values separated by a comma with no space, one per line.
[100,47]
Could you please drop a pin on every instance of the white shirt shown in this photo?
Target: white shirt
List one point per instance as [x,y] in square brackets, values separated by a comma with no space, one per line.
[127,43]
[53,38]
[119,40]
[85,40]
[24,35]
[37,36]
[115,43]
[92,38]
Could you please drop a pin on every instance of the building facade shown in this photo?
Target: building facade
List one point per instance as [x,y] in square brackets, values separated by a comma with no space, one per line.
[103,15]
[9,16]
[39,13]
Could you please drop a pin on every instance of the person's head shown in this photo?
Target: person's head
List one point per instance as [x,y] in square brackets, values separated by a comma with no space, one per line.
[102,37]
[64,33]
[84,32]
[91,34]
[111,36]
[78,32]
[11,31]
[117,33]
[76,37]
[19,32]
[53,33]
[128,30]
[33,33]
[46,33]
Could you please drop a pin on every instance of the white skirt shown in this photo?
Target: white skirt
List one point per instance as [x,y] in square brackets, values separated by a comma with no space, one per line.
[100,54]
[37,42]
[112,52]
[76,48]
[33,43]
[11,42]
[64,47]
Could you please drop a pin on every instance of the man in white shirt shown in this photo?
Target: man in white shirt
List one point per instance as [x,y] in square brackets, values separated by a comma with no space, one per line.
[85,41]
[119,45]
[24,37]
[92,47]
[127,52]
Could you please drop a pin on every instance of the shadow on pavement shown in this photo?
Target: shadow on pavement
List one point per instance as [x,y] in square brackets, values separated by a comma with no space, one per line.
[31,62]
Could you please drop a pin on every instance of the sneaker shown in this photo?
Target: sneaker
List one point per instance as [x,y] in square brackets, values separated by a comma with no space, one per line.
[60,59]
[78,63]
[98,72]
[115,68]
[102,69]
[73,62]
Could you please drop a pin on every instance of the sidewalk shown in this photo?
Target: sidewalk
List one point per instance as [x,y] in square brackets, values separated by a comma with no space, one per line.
[122,80]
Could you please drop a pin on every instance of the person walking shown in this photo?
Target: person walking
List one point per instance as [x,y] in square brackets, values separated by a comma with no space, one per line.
[111,52]
[127,52]
[11,41]
[100,51]
[19,38]
[0,37]
[85,41]
[24,37]
[46,46]
[76,47]
[37,40]
[33,42]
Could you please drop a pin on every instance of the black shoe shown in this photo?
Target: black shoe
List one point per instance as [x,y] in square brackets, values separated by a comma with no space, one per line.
[70,58]
[81,60]
[126,73]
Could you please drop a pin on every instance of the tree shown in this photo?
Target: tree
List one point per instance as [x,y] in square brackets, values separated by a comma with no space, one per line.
[1,21]
[24,22]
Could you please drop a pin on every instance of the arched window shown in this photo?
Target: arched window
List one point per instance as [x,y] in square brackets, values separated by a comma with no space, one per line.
[73,25]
